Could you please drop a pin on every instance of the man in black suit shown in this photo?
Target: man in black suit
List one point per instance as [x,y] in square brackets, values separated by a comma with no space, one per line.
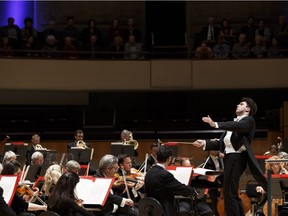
[108,166]
[235,144]
[161,184]
[79,140]
[210,32]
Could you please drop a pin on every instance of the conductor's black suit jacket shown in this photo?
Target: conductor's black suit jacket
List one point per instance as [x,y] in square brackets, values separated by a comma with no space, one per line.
[161,185]
[242,134]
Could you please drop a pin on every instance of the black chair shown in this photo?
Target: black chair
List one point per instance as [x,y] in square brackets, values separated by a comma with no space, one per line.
[49,213]
[149,206]
[284,190]
[253,194]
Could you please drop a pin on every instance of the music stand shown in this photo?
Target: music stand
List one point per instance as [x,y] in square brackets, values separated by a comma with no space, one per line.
[118,148]
[82,156]
[149,206]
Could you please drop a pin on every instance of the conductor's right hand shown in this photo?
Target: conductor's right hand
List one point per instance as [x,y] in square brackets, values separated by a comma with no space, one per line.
[199,143]
[129,202]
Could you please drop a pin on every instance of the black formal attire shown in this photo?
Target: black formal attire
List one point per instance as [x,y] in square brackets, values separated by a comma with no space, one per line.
[30,151]
[214,33]
[161,185]
[150,161]
[107,209]
[242,132]
[68,207]
[213,192]
[4,208]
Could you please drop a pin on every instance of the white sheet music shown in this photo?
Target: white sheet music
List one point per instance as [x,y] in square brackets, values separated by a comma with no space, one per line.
[93,192]
[182,174]
[202,171]
[8,184]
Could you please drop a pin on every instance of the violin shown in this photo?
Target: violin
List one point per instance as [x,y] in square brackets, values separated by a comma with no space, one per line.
[28,194]
[120,182]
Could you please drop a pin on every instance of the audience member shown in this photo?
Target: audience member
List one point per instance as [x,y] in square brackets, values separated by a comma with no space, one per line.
[221,49]
[273,150]
[274,49]
[241,49]
[281,32]
[259,50]
[133,49]
[277,167]
[51,30]
[131,29]
[89,31]
[204,51]
[50,49]
[263,31]
[210,32]
[227,32]
[5,49]
[30,47]
[117,48]
[249,31]
[28,31]
[70,31]
[93,48]
[70,51]
[13,32]
[114,31]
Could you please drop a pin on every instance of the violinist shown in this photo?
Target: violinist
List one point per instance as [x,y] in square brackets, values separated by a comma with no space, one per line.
[63,200]
[19,205]
[4,208]
[108,166]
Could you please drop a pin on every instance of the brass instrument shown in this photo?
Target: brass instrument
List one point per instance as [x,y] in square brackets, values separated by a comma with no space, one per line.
[81,144]
[131,141]
[38,146]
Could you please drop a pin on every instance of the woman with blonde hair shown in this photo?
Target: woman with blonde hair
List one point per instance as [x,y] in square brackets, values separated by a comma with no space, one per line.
[51,177]
[277,167]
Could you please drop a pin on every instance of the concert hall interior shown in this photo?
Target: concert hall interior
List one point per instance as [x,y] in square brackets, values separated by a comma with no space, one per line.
[159,95]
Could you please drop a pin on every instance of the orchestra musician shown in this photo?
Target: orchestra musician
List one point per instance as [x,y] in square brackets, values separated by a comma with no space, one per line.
[37,158]
[235,144]
[162,185]
[214,162]
[127,138]
[79,140]
[35,143]
[72,166]
[4,208]
[108,166]
[152,159]
[134,184]
[19,204]
[51,178]
[9,156]
[63,200]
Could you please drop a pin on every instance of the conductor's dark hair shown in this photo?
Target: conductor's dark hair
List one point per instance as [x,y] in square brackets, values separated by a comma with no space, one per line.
[251,104]
[121,158]
[163,153]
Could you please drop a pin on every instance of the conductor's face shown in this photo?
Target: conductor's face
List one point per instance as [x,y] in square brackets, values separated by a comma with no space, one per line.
[242,109]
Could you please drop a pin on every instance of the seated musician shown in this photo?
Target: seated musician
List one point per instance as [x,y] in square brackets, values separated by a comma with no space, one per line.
[63,200]
[4,208]
[133,182]
[162,185]
[185,205]
[51,178]
[9,156]
[79,140]
[214,162]
[37,158]
[127,138]
[35,143]
[20,202]
[277,167]
[152,159]
[72,166]
[108,166]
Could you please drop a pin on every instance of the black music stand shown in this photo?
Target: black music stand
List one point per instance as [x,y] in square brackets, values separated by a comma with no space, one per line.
[82,156]
[19,149]
[149,206]
[32,173]
[118,148]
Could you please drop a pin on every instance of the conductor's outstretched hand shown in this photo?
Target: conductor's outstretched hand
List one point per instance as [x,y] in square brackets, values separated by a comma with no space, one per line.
[209,121]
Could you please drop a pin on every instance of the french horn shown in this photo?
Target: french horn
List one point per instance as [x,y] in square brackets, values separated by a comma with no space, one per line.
[81,144]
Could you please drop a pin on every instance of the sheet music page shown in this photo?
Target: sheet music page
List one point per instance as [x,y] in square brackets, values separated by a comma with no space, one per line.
[8,184]
[202,171]
[182,174]
[93,192]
